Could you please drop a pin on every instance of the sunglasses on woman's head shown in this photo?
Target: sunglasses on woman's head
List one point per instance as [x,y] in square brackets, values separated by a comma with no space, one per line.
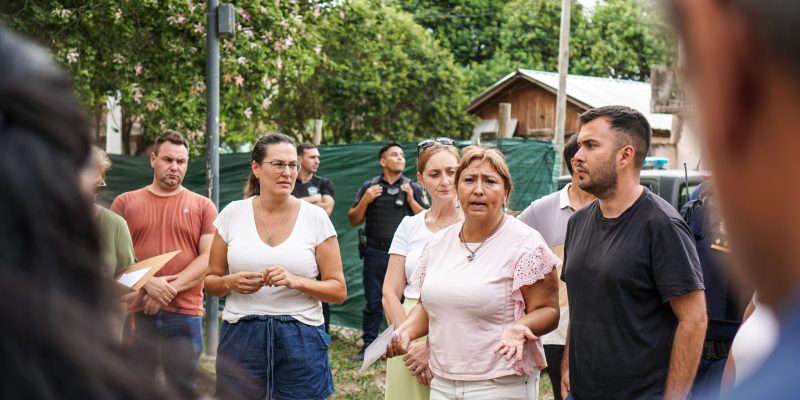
[430,142]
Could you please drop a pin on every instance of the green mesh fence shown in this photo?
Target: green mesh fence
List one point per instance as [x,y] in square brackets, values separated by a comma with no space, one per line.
[348,166]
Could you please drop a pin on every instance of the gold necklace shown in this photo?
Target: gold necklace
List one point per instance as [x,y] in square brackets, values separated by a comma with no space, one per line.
[436,222]
[264,217]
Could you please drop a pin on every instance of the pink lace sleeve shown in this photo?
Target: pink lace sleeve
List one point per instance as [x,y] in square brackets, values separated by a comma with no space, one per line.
[531,267]
[418,277]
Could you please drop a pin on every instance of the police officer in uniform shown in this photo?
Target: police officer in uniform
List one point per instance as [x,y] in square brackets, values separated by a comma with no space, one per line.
[316,190]
[383,201]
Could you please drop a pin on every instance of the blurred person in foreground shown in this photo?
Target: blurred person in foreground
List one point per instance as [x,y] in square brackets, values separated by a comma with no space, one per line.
[56,336]
[742,63]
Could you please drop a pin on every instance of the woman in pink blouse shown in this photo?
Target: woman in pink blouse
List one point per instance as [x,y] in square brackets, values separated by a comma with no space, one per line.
[488,290]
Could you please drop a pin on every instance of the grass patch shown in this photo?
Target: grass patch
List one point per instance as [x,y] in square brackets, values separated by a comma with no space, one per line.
[349,382]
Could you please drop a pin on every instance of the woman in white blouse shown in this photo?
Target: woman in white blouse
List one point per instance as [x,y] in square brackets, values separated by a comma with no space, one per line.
[488,289]
[266,255]
[408,378]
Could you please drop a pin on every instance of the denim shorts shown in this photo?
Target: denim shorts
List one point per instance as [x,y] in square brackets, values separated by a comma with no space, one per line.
[273,357]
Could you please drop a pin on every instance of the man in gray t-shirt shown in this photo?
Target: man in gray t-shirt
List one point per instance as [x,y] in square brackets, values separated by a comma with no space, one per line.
[549,215]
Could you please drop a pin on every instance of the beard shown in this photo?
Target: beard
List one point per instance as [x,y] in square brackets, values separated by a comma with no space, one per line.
[602,182]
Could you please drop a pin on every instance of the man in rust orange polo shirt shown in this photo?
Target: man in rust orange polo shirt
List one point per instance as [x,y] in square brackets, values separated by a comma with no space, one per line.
[163,217]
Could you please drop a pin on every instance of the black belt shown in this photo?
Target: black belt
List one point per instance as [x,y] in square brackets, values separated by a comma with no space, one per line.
[378,244]
[716,349]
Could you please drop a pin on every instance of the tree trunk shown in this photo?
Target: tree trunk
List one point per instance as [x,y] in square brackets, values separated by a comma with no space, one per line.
[127,123]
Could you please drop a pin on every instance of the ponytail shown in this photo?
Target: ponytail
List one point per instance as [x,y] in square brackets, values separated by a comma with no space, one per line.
[252,188]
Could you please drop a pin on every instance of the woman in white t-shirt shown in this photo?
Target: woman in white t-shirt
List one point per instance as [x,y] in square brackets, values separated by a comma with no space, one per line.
[266,255]
[408,378]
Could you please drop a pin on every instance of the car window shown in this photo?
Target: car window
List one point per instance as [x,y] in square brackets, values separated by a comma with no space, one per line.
[685,194]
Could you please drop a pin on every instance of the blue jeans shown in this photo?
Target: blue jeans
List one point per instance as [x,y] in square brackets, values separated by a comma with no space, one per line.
[375,263]
[177,340]
[708,381]
[273,357]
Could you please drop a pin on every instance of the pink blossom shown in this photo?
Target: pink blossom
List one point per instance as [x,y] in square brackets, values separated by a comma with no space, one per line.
[153,105]
[316,11]
[119,58]
[248,112]
[279,63]
[138,69]
[245,15]
[199,28]
[265,104]
[238,80]
[227,78]
[242,60]
[318,48]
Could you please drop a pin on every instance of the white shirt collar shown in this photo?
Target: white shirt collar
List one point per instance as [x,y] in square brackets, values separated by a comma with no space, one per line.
[563,198]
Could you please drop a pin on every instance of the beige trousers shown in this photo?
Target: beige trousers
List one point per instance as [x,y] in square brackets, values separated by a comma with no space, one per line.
[511,387]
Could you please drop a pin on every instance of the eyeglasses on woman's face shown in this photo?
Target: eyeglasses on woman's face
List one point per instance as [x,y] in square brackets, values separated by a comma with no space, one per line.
[277,166]
[99,186]
[430,142]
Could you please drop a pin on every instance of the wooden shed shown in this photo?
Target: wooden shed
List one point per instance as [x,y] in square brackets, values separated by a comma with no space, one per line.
[532,95]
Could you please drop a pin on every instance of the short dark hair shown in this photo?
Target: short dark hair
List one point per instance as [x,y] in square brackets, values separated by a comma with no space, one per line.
[570,149]
[630,125]
[386,147]
[172,137]
[302,147]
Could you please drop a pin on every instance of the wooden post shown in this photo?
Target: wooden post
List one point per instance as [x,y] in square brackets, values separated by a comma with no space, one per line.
[563,67]
[504,121]
[317,132]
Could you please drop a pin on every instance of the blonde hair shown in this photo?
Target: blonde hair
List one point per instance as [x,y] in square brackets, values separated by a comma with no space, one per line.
[426,154]
[100,160]
[493,156]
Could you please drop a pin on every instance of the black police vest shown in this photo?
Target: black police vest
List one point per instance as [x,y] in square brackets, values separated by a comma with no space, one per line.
[384,215]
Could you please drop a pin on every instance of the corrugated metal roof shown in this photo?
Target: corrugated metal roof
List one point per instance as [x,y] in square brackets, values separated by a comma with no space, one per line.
[592,92]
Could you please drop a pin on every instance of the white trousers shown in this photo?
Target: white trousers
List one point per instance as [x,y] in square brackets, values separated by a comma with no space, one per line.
[510,387]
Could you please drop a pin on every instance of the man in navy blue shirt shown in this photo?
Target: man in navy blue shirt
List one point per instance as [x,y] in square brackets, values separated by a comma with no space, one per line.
[742,61]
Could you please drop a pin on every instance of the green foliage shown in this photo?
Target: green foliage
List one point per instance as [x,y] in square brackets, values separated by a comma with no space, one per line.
[623,39]
[615,38]
[387,78]
[469,28]
[368,71]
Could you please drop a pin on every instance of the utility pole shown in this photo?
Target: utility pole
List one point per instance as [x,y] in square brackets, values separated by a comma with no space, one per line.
[220,21]
[561,99]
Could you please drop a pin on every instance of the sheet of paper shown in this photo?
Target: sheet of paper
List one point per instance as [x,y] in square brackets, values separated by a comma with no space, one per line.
[377,348]
[131,278]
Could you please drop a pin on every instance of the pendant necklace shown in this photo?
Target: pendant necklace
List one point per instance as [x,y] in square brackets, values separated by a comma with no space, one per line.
[471,256]
[264,217]
[436,222]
